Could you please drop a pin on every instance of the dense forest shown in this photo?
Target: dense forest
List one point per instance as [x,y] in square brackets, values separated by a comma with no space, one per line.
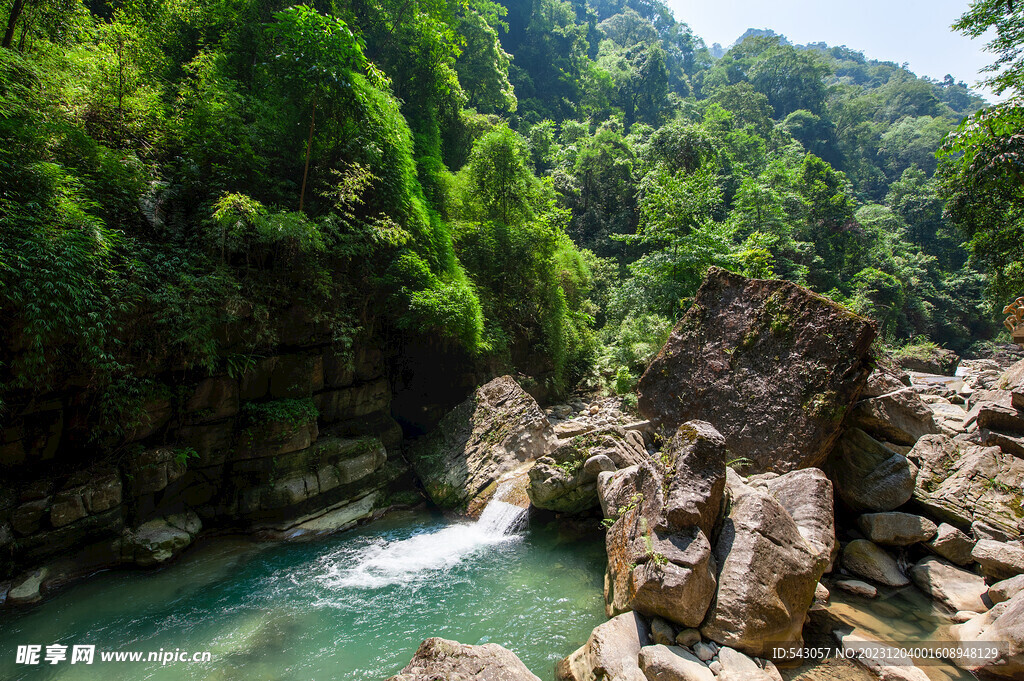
[539,184]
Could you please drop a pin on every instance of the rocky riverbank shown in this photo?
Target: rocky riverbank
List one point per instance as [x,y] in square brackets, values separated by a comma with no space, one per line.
[770,467]
[773,462]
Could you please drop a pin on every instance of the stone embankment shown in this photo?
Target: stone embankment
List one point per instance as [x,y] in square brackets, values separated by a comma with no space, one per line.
[299,442]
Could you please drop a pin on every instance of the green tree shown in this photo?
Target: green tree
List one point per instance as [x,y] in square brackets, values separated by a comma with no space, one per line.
[316,54]
[1007,18]
[830,225]
[790,79]
[982,174]
[498,173]
[483,66]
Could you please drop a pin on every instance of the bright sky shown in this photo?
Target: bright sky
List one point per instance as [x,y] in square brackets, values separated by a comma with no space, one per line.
[914,31]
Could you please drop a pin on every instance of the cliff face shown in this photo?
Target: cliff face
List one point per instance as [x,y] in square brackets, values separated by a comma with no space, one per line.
[298,440]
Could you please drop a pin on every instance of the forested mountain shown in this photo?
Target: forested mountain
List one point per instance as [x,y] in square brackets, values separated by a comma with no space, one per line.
[808,163]
[540,183]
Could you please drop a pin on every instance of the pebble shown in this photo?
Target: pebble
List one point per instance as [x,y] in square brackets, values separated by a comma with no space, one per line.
[688,637]
[704,651]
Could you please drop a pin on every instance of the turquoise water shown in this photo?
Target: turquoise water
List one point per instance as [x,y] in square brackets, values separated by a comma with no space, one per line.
[355,606]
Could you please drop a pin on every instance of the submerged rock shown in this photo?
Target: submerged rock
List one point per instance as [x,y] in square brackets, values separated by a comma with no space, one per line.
[438,658]
[773,366]
[857,587]
[882,660]
[494,431]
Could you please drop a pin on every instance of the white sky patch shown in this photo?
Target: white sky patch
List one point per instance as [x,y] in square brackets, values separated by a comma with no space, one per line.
[913,31]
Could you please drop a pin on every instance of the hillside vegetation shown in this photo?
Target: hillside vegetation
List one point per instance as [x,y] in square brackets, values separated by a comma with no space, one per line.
[540,184]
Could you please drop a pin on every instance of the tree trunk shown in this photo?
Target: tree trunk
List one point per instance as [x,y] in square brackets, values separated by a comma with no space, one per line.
[309,146]
[12,21]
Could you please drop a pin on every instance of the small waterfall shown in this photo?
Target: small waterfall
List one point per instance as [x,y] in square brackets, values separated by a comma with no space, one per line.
[506,513]
[424,555]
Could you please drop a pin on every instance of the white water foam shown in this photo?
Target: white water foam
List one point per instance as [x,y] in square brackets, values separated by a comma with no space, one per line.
[407,560]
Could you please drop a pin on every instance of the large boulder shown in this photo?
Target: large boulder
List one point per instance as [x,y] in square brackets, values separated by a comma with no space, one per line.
[566,480]
[610,653]
[896,529]
[438,658]
[494,431]
[899,417]
[868,475]
[1013,381]
[999,560]
[767,576]
[998,412]
[677,581]
[963,483]
[659,554]
[1003,627]
[994,410]
[615,490]
[948,417]
[695,479]
[884,380]
[772,365]
[1006,589]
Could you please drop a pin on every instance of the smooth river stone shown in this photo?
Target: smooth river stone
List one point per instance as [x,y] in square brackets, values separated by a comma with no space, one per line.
[866,559]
